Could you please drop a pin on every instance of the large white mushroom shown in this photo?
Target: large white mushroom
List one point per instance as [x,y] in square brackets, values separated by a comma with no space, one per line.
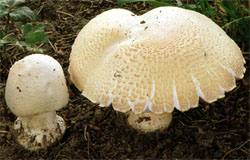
[150,64]
[35,89]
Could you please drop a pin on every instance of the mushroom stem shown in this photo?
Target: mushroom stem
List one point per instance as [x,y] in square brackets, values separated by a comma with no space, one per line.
[39,131]
[149,122]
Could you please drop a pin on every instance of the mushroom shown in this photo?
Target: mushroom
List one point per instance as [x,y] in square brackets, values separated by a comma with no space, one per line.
[35,89]
[150,64]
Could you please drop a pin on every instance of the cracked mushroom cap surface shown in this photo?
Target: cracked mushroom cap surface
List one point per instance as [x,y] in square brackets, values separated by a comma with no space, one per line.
[36,84]
[164,59]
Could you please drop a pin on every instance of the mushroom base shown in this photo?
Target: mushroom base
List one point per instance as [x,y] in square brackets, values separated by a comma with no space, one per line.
[149,122]
[39,131]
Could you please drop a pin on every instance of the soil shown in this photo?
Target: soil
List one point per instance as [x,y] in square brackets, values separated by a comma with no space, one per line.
[211,131]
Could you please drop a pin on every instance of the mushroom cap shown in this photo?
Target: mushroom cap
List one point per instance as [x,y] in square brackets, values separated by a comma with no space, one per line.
[36,84]
[165,58]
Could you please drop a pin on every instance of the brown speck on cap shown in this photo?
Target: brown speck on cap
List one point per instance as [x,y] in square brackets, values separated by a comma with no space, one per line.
[142,22]
[18,88]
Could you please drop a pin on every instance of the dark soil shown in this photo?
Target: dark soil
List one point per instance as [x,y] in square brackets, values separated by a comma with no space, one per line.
[218,130]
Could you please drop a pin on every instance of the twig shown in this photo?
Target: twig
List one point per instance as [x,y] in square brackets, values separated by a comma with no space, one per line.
[181,123]
[3,132]
[235,149]
[62,12]
[88,145]
[52,46]
[90,108]
[229,132]
[242,150]
[85,133]
[245,52]
[86,137]
[41,8]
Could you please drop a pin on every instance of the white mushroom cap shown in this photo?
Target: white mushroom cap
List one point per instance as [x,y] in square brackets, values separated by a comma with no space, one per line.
[36,84]
[166,58]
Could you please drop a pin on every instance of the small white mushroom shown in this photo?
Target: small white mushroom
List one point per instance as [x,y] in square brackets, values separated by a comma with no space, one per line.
[164,59]
[35,89]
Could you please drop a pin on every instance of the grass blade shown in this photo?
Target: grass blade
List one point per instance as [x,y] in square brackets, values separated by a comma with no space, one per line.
[235,21]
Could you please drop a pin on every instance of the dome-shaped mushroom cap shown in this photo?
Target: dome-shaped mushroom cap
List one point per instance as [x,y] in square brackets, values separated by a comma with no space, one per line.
[36,84]
[166,58]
